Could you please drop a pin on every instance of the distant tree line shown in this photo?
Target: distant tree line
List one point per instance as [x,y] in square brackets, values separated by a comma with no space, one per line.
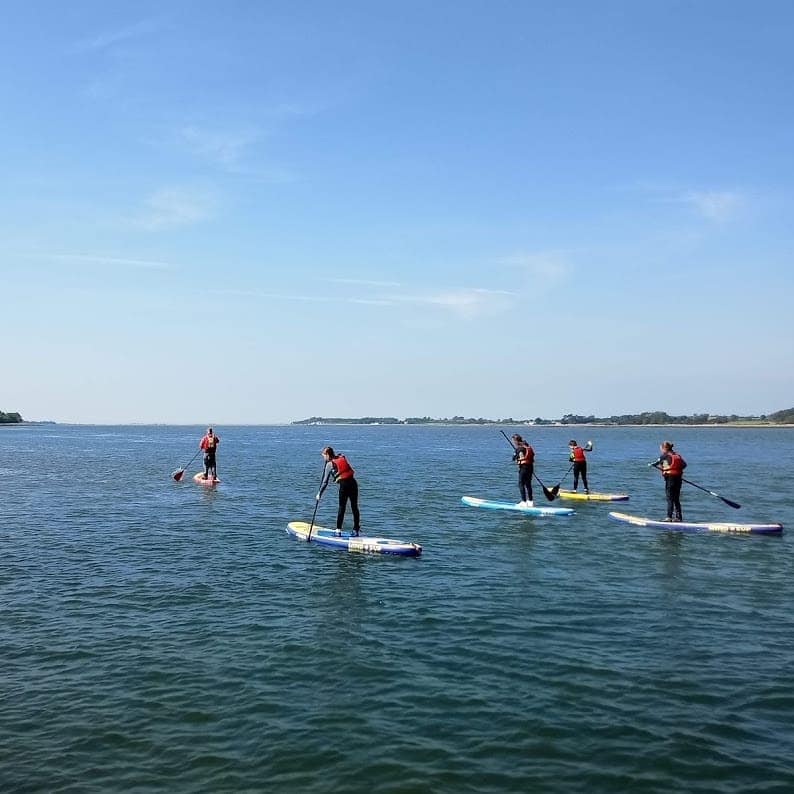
[662,418]
[646,418]
[12,418]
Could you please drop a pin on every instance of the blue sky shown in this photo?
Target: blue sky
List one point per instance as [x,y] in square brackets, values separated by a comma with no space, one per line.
[261,211]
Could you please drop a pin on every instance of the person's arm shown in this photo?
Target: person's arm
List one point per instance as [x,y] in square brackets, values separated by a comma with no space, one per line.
[329,467]
[203,443]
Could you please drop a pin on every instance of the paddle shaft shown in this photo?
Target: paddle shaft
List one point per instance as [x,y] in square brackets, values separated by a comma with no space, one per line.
[547,492]
[565,475]
[181,471]
[316,505]
[729,502]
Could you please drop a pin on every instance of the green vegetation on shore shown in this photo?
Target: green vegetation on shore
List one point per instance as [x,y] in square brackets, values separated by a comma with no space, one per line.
[647,418]
[12,418]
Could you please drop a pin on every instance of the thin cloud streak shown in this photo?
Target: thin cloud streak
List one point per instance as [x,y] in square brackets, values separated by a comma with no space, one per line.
[468,302]
[362,282]
[146,264]
[107,39]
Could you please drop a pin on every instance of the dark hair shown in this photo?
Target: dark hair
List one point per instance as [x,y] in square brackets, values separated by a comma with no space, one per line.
[667,444]
[328,451]
[517,437]
[571,443]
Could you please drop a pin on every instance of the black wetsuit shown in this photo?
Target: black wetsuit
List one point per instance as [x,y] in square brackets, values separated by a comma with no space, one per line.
[525,471]
[348,492]
[672,490]
[209,459]
[580,469]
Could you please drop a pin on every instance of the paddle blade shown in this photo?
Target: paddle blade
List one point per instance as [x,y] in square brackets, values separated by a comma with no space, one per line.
[549,494]
[555,489]
[177,475]
[734,505]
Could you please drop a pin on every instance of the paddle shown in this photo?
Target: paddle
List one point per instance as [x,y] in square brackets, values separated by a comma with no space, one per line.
[316,505]
[177,475]
[729,502]
[550,494]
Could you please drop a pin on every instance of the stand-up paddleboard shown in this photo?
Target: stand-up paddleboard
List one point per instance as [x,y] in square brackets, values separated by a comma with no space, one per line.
[347,542]
[473,501]
[199,478]
[594,496]
[685,526]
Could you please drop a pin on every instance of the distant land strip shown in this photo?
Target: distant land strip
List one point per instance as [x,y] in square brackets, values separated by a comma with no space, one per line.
[783,417]
[10,418]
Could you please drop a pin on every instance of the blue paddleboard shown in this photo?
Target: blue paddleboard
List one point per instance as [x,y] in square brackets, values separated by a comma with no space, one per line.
[347,542]
[473,501]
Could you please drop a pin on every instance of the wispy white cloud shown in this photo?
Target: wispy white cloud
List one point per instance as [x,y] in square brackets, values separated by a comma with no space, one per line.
[115,261]
[233,150]
[715,206]
[551,268]
[465,301]
[718,206]
[108,38]
[225,147]
[169,207]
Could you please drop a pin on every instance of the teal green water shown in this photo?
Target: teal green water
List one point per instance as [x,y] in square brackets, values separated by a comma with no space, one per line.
[161,636]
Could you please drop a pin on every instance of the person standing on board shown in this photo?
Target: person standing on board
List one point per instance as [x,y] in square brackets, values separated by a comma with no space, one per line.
[579,462]
[209,443]
[525,458]
[336,465]
[672,468]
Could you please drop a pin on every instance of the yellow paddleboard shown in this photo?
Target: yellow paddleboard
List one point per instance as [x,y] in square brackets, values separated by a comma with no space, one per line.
[593,496]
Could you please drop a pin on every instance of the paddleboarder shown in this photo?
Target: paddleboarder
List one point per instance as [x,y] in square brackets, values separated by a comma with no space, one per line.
[524,456]
[672,466]
[579,463]
[337,466]
[209,443]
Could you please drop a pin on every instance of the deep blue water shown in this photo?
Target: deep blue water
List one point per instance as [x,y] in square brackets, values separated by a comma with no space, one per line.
[161,636]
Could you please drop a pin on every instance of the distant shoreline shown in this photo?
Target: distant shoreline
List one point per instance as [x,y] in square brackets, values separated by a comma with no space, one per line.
[544,425]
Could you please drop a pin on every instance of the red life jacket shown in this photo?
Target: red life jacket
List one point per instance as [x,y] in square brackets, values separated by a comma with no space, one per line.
[577,455]
[526,454]
[342,469]
[208,443]
[675,464]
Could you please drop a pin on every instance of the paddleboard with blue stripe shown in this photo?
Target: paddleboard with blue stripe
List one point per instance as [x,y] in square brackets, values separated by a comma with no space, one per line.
[345,541]
[473,501]
[685,526]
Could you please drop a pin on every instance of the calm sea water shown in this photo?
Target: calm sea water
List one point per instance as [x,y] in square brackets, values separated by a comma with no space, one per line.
[161,636]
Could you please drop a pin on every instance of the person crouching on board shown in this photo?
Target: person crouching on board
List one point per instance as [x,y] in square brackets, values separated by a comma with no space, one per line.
[524,456]
[672,468]
[579,461]
[209,443]
[336,465]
